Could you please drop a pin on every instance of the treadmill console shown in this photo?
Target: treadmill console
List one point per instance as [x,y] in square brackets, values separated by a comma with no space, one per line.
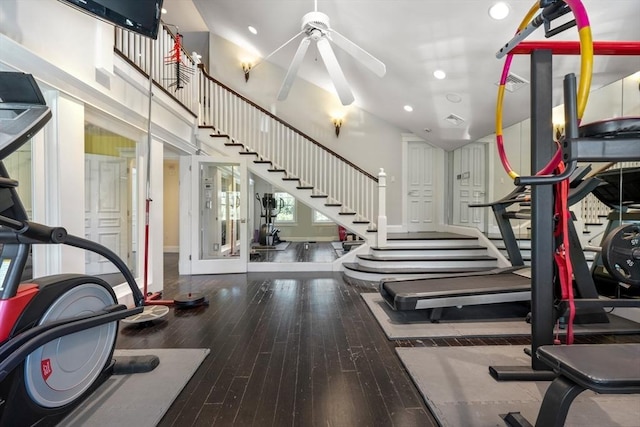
[23,111]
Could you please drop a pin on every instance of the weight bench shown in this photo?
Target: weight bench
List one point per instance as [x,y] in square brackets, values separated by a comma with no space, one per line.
[603,368]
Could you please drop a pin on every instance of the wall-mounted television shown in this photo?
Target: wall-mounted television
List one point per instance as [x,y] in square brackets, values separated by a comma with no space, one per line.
[139,16]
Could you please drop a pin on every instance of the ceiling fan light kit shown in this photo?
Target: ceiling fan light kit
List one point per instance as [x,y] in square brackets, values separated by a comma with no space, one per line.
[316,27]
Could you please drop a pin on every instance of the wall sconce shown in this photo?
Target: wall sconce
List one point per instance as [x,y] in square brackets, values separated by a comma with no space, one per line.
[337,123]
[558,131]
[246,67]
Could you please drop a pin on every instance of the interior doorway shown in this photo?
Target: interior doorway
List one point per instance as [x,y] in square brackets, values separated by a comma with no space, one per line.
[469,186]
[422,184]
[171,206]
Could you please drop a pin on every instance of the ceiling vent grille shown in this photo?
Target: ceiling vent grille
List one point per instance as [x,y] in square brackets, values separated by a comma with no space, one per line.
[514,82]
[454,119]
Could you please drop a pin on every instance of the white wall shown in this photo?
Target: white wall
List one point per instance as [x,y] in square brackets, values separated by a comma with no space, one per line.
[71,56]
[365,140]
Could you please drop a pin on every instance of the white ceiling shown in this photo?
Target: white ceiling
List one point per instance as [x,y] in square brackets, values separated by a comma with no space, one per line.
[414,38]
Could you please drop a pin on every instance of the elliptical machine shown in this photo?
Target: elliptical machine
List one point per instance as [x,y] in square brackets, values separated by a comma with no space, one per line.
[57,333]
[269,209]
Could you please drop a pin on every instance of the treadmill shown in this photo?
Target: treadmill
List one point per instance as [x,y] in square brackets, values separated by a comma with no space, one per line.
[23,111]
[502,285]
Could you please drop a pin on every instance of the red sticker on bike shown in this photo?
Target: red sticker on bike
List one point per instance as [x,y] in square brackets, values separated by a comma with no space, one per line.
[45,368]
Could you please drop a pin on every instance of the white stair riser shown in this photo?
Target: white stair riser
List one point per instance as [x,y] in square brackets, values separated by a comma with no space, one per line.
[375,277]
[436,253]
[430,243]
[435,263]
[523,245]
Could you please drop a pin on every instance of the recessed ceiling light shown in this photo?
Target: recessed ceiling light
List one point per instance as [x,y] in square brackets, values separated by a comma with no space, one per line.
[499,11]
[439,74]
[454,97]
[163,10]
[252,30]
[408,108]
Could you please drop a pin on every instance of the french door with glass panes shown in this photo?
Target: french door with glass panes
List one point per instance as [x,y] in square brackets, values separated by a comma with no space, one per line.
[219,239]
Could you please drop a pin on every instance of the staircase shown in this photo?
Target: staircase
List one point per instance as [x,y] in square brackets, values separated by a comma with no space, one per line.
[523,243]
[307,193]
[421,255]
[525,249]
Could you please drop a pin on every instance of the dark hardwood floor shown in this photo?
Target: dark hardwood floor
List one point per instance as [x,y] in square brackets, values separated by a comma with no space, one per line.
[286,349]
[298,252]
[290,349]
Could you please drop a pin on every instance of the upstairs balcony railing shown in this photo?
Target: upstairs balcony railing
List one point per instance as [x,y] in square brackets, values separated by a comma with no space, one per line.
[158,57]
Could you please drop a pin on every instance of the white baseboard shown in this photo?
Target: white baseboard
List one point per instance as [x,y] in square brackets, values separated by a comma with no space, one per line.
[311,239]
[279,267]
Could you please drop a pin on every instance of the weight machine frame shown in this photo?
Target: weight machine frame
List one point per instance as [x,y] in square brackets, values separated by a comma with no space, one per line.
[542,149]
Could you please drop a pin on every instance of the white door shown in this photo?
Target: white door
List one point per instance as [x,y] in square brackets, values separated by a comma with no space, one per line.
[106,210]
[469,186]
[421,175]
[219,238]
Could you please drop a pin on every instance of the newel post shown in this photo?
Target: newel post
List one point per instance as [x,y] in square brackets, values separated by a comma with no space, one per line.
[382,213]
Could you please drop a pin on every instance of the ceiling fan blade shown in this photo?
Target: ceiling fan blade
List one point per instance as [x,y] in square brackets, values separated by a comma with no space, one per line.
[277,50]
[335,72]
[360,54]
[293,68]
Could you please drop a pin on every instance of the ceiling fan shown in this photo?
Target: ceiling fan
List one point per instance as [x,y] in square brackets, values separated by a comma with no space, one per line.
[316,27]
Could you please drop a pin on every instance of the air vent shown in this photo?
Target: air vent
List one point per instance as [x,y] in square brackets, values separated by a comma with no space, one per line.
[454,120]
[514,82]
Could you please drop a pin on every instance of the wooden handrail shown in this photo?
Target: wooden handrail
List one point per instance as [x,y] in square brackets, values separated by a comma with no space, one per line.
[282,122]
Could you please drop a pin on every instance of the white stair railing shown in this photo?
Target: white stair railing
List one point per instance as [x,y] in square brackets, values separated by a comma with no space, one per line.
[246,122]
[231,114]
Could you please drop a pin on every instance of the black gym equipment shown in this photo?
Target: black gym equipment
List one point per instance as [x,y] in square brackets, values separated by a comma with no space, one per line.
[269,209]
[621,254]
[57,333]
[578,367]
[620,191]
[502,285]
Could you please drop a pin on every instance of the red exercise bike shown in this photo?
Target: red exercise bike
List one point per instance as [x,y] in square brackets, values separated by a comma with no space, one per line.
[57,333]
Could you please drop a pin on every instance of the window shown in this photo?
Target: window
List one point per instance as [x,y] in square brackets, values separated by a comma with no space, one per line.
[286,207]
[319,218]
